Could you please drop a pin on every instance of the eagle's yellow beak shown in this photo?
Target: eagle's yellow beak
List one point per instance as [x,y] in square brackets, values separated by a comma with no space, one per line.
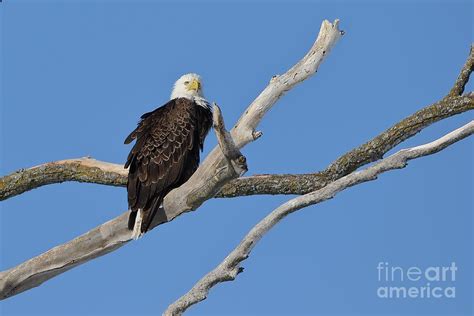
[194,85]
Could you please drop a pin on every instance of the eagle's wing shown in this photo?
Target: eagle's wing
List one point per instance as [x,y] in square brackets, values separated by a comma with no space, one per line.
[165,155]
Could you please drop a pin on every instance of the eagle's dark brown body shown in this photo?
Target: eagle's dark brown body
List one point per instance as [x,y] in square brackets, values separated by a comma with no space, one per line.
[165,155]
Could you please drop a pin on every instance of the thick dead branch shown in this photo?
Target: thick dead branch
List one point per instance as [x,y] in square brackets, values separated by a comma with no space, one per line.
[204,183]
[81,169]
[91,245]
[230,266]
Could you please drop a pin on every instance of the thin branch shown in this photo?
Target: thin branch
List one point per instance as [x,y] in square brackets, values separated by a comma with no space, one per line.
[204,184]
[463,77]
[227,145]
[230,266]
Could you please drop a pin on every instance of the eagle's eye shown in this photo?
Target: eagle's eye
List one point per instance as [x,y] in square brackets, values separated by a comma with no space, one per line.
[186,82]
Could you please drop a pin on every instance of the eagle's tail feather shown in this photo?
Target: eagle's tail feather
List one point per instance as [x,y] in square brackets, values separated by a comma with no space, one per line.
[137,223]
[140,220]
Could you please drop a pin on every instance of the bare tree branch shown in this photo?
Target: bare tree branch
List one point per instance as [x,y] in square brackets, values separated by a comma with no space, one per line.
[463,77]
[204,184]
[226,143]
[80,169]
[369,152]
[230,266]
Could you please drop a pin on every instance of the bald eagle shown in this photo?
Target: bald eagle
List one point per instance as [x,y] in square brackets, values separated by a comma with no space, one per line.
[166,151]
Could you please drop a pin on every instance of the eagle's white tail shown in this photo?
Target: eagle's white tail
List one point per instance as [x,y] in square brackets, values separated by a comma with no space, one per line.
[137,229]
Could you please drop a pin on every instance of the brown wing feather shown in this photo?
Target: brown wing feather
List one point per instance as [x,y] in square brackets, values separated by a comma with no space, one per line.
[165,154]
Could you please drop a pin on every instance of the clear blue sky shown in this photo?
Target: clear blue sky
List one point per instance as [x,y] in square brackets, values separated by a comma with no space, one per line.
[77,75]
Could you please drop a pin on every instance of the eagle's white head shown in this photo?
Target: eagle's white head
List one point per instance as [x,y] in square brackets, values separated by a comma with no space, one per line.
[189,86]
